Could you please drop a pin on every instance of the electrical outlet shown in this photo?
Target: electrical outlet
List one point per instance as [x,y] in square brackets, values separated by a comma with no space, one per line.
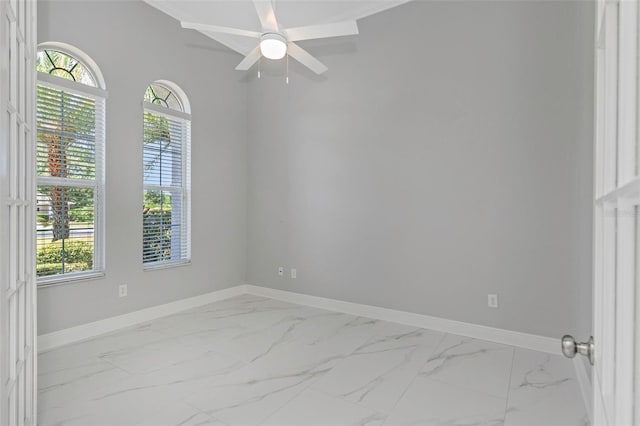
[492,300]
[122,290]
[293,273]
[281,271]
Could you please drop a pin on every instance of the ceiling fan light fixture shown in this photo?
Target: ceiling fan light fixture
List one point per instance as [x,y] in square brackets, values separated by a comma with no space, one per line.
[273,46]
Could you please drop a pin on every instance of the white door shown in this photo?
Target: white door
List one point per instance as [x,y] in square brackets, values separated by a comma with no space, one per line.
[616,373]
[17,193]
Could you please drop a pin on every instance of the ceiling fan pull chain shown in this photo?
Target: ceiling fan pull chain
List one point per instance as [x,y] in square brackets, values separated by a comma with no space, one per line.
[287,79]
[259,66]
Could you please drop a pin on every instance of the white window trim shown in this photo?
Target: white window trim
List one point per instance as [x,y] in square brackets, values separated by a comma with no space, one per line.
[72,86]
[98,184]
[166,264]
[166,112]
[185,190]
[69,278]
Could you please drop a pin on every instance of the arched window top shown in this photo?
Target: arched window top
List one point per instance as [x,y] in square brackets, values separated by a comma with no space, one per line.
[64,66]
[67,62]
[168,95]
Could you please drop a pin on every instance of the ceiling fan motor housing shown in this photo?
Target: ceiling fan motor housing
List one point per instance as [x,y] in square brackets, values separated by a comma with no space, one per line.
[273,45]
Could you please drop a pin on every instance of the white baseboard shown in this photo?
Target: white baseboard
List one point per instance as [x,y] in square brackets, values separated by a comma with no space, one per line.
[498,335]
[508,337]
[92,329]
[585,384]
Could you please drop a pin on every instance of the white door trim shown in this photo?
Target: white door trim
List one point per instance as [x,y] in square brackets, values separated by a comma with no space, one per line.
[18,381]
[616,225]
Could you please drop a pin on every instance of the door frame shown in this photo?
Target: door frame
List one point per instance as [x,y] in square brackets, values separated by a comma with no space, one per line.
[18,379]
[616,225]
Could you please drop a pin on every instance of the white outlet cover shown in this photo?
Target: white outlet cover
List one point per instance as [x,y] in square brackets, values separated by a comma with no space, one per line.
[492,300]
[294,273]
[122,290]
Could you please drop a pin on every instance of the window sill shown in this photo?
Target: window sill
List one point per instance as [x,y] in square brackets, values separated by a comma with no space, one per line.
[68,279]
[166,265]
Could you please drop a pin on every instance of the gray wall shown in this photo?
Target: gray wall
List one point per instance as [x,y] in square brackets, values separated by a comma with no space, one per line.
[134,45]
[445,155]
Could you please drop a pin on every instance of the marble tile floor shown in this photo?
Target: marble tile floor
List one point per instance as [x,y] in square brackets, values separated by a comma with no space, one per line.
[250,360]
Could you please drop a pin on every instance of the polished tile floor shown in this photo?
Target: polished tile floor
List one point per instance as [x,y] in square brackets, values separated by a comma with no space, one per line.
[256,361]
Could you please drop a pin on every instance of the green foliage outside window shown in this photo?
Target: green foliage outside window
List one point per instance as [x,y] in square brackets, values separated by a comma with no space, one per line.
[64,257]
[156,240]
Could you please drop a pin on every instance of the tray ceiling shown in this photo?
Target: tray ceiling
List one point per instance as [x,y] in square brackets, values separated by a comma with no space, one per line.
[290,13]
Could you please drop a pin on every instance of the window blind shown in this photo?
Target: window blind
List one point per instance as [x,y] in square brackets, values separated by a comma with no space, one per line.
[66,134]
[166,172]
[70,159]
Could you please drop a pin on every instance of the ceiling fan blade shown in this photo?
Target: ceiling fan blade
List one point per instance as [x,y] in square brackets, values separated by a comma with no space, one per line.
[250,59]
[267,15]
[219,29]
[309,32]
[302,56]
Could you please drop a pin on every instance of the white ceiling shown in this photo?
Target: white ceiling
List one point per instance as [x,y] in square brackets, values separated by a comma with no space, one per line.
[289,13]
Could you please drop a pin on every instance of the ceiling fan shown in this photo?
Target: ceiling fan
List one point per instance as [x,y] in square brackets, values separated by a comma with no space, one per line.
[276,42]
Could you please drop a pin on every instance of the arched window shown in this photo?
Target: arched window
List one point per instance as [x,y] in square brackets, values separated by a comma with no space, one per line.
[167,177]
[70,165]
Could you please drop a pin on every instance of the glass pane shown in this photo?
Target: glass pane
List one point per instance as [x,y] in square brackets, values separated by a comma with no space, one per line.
[65,230]
[161,95]
[64,66]
[162,226]
[162,153]
[66,134]
[157,227]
